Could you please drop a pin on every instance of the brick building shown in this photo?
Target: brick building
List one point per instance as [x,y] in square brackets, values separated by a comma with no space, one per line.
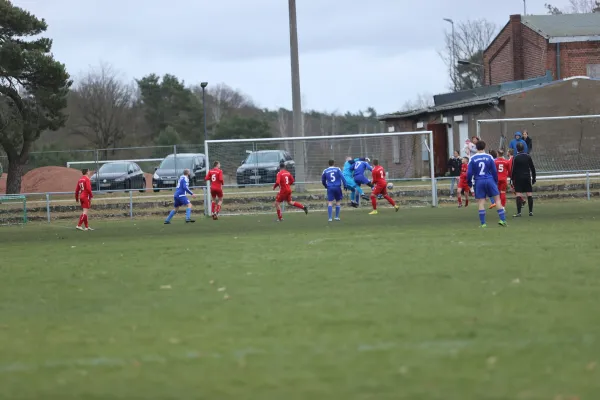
[566,45]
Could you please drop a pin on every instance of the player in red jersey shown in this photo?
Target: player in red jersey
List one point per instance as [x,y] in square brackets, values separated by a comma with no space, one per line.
[284,181]
[463,185]
[380,187]
[84,195]
[503,167]
[215,176]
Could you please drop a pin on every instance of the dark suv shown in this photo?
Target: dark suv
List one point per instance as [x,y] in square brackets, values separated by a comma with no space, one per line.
[171,168]
[263,166]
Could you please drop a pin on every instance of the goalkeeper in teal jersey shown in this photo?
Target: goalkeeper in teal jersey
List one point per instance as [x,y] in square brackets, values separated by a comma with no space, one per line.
[348,172]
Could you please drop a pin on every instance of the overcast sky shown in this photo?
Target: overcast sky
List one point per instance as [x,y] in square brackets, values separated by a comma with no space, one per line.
[353,53]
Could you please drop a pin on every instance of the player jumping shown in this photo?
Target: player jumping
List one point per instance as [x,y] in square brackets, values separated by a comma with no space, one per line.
[483,170]
[215,176]
[359,174]
[84,195]
[380,187]
[180,198]
[355,190]
[333,179]
[284,181]
[463,185]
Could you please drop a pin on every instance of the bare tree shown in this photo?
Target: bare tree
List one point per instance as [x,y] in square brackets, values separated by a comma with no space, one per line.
[575,7]
[423,100]
[472,37]
[222,99]
[102,105]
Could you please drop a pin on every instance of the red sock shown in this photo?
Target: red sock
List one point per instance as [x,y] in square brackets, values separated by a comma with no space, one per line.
[297,205]
[390,200]
[503,199]
[81,217]
[466,201]
[212,207]
[218,208]
[279,214]
[374,202]
[85,221]
[459,201]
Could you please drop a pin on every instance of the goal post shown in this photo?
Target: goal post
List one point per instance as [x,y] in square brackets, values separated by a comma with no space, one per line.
[560,144]
[251,165]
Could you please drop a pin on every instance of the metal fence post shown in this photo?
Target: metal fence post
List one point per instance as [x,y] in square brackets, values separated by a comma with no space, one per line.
[48,206]
[587,184]
[131,204]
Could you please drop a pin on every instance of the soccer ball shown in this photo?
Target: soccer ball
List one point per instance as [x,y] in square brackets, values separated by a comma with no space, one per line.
[390,186]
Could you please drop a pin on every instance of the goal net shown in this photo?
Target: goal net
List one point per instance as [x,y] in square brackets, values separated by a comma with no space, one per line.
[560,144]
[13,209]
[250,166]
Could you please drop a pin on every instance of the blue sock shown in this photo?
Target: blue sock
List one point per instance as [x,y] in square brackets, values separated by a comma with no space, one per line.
[502,215]
[482,216]
[188,214]
[329,211]
[352,194]
[337,211]
[492,200]
[171,215]
[360,191]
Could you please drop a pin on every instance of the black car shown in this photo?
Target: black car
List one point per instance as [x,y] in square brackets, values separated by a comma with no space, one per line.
[263,166]
[119,175]
[171,168]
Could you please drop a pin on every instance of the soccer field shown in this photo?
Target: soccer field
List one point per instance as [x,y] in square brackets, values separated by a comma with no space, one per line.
[419,304]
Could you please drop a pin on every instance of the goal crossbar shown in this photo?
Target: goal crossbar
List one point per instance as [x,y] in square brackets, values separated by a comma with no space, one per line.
[295,138]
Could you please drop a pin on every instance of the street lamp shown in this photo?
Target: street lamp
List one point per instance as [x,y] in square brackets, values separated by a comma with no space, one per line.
[450,21]
[204,85]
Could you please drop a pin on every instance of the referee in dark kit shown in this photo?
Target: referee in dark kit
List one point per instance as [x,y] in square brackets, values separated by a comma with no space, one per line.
[523,178]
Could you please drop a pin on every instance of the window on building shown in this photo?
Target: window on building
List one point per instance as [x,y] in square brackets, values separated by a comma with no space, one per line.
[593,71]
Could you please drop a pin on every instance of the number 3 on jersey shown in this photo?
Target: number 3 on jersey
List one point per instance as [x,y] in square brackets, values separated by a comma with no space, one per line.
[287,180]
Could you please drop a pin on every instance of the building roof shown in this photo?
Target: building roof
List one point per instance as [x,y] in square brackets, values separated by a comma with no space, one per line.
[491,98]
[563,25]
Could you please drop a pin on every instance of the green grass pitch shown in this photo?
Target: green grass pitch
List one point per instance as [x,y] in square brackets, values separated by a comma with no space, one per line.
[419,304]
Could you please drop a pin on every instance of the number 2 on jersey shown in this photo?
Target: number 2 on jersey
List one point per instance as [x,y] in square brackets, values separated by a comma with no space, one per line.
[482,168]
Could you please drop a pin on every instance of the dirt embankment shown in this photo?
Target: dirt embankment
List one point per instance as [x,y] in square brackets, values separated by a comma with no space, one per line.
[52,179]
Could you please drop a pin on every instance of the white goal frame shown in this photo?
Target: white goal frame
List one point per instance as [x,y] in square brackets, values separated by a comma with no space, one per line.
[428,144]
[566,117]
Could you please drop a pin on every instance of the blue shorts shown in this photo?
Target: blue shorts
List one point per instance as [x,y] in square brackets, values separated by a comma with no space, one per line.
[334,193]
[181,201]
[486,188]
[361,180]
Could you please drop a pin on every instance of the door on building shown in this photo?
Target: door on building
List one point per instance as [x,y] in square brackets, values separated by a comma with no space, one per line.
[440,148]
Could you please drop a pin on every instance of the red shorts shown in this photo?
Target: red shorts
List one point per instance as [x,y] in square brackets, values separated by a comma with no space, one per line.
[502,186]
[216,193]
[380,189]
[85,203]
[463,185]
[284,196]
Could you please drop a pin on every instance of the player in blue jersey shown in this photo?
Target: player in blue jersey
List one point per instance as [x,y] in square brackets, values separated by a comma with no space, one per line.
[355,190]
[359,169]
[482,170]
[180,198]
[333,180]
